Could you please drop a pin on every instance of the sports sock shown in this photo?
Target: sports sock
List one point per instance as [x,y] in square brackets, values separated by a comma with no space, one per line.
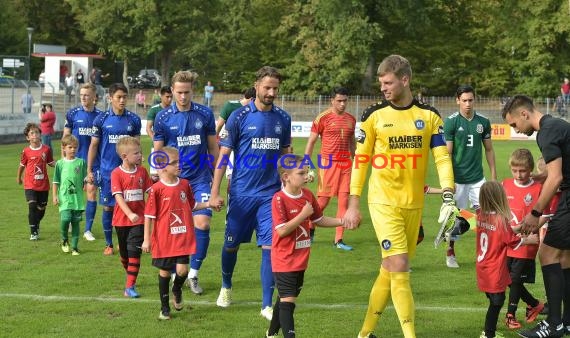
[64,228]
[90,210]
[496,301]
[32,217]
[267,281]
[379,296]
[193,273]
[403,301]
[274,325]
[202,243]
[566,299]
[286,310]
[74,234]
[527,297]
[451,248]
[133,267]
[40,213]
[554,285]
[124,262]
[514,297]
[178,282]
[164,292]
[229,260]
[341,210]
[107,218]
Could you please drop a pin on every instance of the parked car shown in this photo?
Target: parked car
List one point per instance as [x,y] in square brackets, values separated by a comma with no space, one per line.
[6,80]
[147,78]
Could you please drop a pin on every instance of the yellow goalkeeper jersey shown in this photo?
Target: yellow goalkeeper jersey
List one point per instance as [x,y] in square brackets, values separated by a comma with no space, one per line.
[394,142]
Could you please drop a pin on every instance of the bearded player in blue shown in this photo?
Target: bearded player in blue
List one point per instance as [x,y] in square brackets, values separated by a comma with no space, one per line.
[108,128]
[191,128]
[258,133]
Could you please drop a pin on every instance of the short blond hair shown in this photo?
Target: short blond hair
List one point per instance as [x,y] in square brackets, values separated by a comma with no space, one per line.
[162,161]
[125,142]
[523,158]
[396,64]
[69,140]
[184,76]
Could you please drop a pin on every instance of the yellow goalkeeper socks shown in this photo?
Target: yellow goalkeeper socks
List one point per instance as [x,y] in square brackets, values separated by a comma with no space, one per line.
[403,301]
[379,296]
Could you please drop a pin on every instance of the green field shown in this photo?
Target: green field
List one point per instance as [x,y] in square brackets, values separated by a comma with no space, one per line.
[46,293]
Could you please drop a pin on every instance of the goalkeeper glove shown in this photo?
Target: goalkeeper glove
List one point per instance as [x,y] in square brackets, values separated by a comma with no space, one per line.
[447,197]
[447,214]
[447,208]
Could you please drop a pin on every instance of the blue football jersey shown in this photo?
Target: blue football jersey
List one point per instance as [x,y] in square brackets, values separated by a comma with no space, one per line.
[109,127]
[188,131]
[257,139]
[80,122]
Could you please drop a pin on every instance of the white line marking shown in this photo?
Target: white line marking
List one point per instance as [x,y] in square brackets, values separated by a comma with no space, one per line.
[55,298]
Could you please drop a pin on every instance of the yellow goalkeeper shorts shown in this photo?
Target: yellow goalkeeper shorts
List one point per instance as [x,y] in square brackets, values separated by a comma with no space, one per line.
[396,228]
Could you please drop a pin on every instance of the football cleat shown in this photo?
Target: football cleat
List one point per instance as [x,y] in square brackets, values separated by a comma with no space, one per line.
[177,301]
[511,322]
[131,292]
[497,335]
[533,312]
[225,297]
[543,330]
[194,286]
[65,246]
[267,312]
[164,314]
[341,245]
[451,262]
[88,235]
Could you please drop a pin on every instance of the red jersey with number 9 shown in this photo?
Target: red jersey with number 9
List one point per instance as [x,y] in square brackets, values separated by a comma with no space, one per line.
[494,236]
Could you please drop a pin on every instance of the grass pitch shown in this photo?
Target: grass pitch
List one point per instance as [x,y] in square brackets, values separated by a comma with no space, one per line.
[46,293]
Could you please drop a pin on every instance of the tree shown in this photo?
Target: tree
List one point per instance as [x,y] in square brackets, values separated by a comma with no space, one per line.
[331,38]
[115,26]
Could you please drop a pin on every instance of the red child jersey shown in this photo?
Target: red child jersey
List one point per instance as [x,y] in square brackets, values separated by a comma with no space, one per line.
[336,132]
[35,160]
[132,185]
[493,238]
[521,200]
[171,206]
[291,253]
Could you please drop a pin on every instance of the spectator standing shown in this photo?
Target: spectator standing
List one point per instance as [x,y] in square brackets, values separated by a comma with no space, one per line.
[27,101]
[47,121]
[69,82]
[208,94]
[565,91]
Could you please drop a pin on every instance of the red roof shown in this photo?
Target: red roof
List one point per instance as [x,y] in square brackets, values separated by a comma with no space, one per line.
[41,55]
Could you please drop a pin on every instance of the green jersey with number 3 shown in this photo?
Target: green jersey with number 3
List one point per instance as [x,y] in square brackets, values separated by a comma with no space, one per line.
[467,137]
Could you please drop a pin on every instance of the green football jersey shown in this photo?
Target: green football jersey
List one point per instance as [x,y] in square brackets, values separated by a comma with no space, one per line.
[467,137]
[69,176]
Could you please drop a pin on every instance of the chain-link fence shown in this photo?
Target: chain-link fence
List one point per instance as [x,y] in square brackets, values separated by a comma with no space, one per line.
[300,108]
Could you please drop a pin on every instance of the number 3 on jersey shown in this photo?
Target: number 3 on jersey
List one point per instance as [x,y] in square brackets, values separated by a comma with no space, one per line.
[484,245]
[470,140]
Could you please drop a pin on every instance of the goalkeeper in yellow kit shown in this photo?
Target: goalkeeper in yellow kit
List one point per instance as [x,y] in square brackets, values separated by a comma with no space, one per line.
[395,138]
